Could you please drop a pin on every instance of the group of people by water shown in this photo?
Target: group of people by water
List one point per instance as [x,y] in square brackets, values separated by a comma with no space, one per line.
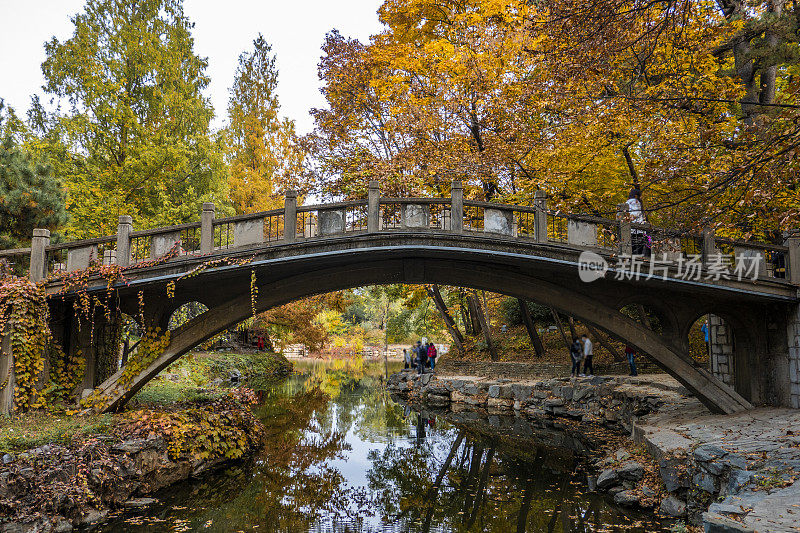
[582,351]
[422,355]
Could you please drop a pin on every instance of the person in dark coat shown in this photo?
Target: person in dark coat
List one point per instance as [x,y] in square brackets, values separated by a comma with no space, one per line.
[576,353]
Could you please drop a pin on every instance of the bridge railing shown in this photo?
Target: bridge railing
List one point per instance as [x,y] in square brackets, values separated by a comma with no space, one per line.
[293,223]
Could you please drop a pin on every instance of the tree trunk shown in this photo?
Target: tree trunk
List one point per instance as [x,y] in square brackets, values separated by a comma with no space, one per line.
[484,326]
[473,313]
[643,316]
[560,327]
[436,296]
[536,341]
[605,344]
[571,322]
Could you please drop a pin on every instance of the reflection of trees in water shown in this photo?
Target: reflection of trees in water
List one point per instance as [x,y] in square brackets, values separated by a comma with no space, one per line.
[291,485]
[478,487]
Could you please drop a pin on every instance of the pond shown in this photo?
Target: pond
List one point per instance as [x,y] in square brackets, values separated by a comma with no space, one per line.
[342,456]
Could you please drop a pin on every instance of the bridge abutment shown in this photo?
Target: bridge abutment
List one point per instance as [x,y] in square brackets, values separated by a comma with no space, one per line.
[793,363]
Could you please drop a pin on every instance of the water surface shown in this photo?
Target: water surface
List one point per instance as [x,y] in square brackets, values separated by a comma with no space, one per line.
[342,456]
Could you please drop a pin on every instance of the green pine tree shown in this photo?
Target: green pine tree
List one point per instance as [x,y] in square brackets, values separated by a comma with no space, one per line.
[30,196]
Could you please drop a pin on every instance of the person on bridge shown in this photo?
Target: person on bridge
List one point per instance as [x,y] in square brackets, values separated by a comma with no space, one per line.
[631,353]
[432,355]
[588,353]
[576,352]
[638,236]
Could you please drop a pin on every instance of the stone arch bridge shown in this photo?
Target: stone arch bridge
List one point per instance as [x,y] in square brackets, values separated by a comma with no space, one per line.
[524,251]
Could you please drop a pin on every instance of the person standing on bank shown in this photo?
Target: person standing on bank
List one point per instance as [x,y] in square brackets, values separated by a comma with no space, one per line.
[588,353]
[406,358]
[432,355]
[638,236]
[631,353]
[704,329]
[576,352]
[422,357]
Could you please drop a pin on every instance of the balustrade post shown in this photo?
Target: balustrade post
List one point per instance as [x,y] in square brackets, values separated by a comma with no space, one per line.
[124,229]
[41,239]
[793,258]
[625,244]
[457,207]
[374,207]
[290,216]
[540,216]
[207,228]
[709,245]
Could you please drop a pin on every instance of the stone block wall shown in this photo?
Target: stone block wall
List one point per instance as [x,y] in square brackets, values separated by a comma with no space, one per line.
[793,335]
[720,339]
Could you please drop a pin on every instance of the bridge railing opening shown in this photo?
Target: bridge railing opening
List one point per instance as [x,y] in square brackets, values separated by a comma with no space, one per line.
[292,223]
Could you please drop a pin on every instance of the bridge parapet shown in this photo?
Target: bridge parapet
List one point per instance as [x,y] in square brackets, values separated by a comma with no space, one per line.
[292,223]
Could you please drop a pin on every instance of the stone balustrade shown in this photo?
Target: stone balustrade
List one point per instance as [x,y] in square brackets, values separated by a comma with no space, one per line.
[375,214]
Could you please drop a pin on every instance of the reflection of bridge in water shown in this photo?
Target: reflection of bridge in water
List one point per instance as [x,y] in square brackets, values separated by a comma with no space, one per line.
[527,252]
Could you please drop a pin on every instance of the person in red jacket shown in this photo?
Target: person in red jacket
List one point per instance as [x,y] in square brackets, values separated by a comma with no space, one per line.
[432,355]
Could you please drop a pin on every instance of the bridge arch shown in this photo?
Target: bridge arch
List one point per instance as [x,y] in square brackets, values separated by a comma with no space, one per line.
[476,270]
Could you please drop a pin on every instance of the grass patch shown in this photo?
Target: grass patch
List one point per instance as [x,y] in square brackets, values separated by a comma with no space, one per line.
[191,377]
[37,428]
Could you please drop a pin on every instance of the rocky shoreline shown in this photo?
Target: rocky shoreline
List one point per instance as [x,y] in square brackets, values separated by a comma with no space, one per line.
[668,462]
[57,488]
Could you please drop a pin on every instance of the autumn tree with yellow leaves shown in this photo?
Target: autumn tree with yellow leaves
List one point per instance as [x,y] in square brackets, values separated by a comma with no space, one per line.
[263,156]
[693,102]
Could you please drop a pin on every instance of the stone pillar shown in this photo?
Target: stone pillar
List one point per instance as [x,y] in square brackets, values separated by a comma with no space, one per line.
[720,340]
[457,207]
[41,239]
[7,377]
[124,229]
[793,258]
[625,245]
[207,228]
[540,216]
[290,216]
[374,207]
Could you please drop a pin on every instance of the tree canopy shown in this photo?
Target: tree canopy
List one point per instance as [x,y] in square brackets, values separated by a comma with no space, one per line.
[136,124]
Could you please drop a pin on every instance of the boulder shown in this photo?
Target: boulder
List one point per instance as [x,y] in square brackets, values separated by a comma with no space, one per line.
[626,498]
[673,473]
[138,503]
[631,470]
[521,392]
[705,481]
[607,478]
[92,516]
[622,454]
[672,506]
[708,452]
[714,523]
[500,403]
